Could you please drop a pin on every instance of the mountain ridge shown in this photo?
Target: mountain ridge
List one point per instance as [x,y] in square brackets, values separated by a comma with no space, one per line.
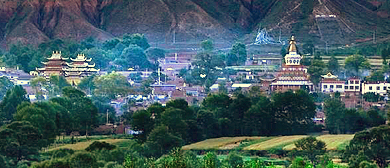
[37,21]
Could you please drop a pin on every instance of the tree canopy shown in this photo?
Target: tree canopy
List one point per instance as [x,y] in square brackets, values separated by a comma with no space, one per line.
[355,63]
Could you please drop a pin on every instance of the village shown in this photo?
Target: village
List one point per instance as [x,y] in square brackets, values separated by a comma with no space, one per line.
[268,74]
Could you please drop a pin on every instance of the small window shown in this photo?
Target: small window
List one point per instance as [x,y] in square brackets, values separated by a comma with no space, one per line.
[351,87]
[339,86]
[331,86]
[378,88]
[325,86]
[384,87]
[345,87]
[356,82]
[357,87]
[370,88]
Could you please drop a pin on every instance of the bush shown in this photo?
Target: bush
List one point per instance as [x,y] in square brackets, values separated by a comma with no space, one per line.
[62,153]
[99,146]
[83,159]
[234,160]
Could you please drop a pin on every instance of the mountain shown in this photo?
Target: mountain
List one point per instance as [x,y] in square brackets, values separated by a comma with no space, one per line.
[36,21]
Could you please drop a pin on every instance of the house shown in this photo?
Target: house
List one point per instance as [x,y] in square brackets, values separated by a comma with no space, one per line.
[244,86]
[330,84]
[380,88]
[353,85]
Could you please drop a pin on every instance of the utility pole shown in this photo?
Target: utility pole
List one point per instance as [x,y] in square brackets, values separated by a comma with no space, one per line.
[107,116]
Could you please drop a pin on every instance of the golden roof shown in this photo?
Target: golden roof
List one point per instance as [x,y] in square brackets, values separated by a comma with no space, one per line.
[292,47]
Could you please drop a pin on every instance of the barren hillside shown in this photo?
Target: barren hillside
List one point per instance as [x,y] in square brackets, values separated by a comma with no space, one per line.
[36,21]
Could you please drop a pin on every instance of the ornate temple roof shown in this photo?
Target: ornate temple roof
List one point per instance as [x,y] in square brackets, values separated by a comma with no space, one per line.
[329,76]
[292,47]
[292,57]
[81,58]
[56,55]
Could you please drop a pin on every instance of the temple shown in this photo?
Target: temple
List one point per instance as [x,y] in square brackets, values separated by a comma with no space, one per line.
[73,71]
[54,66]
[293,75]
[79,68]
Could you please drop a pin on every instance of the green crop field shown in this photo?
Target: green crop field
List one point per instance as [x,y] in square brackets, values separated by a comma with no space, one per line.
[333,142]
[219,143]
[83,145]
[275,142]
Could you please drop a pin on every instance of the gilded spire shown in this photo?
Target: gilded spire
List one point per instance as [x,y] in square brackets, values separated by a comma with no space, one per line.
[292,47]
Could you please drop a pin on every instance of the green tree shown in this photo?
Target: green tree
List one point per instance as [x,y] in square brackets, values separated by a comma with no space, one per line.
[110,44]
[38,83]
[299,162]
[142,121]
[376,76]
[373,144]
[239,49]
[82,111]
[333,65]
[260,118]
[136,39]
[42,116]
[57,83]
[134,56]
[355,63]
[5,85]
[385,54]
[293,112]
[311,147]
[207,45]
[155,54]
[87,85]
[160,140]
[20,140]
[234,160]
[237,108]
[11,100]
[111,85]
[210,160]
[316,69]
[335,116]
[83,160]
[100,57]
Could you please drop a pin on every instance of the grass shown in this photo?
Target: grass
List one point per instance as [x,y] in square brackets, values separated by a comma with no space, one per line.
[217,143]
[333,142]
[83,145]
[276,142]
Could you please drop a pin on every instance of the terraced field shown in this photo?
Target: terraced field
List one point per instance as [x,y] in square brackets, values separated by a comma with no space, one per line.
[219,143]
[275,142]
[83,145]
[333,142]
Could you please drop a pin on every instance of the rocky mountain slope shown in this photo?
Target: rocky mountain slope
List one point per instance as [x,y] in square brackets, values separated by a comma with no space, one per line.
[36,21]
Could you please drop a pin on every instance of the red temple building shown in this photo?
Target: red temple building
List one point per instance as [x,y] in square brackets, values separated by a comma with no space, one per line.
[293,75]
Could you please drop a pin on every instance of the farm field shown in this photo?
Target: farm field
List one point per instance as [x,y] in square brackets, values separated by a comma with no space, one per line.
[83,145]
[275,142]
[217,143]
[333,142]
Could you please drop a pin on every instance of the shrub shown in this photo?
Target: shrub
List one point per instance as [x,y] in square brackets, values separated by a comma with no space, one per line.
[99,146]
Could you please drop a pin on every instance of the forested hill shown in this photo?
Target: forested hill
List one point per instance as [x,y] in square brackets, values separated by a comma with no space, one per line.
[36,21]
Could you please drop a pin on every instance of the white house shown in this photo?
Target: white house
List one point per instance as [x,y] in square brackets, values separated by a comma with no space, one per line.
[380,88]
[352,85]
[330,84]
